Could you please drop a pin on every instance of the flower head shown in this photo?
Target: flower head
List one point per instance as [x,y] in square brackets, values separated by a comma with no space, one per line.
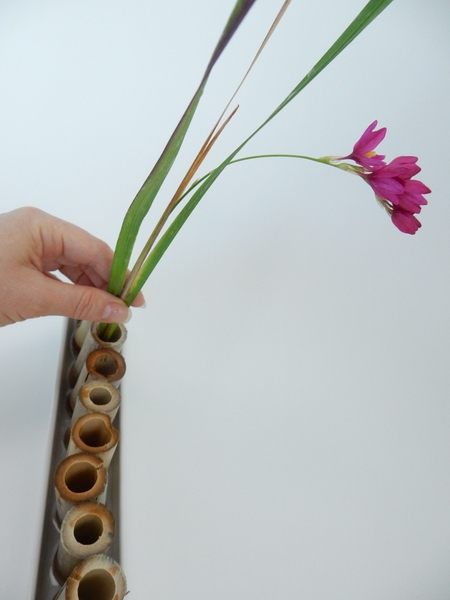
[401,195]
[394,188]
[364,150]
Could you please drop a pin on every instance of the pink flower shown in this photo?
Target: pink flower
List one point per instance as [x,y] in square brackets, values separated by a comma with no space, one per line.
[393,183]
[401,195]
[363,151]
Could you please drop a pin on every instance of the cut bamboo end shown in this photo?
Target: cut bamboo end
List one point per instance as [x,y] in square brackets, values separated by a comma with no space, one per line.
[94,434]
[106,365]
[96,578]
[117,340]
[97,397]
[88,528]
[79,478]
[92,341]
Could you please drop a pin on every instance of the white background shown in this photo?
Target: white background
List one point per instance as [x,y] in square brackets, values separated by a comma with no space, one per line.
[286,415]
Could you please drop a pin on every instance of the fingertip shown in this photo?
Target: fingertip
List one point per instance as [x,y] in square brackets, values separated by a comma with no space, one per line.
[139,301]
[116,312]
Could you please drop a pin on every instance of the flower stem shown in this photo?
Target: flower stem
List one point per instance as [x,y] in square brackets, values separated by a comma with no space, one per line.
[323,160]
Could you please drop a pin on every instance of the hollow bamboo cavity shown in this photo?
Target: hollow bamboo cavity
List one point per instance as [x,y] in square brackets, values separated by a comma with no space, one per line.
[79,478]
[96,578]
[97,397]
[92,341]
[88,528]
[94,434]
[103,364]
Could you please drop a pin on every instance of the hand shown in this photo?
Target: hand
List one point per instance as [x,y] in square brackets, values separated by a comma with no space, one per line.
[32,244]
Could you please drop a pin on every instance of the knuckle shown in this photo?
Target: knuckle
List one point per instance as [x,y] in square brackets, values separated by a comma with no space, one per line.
[86,305]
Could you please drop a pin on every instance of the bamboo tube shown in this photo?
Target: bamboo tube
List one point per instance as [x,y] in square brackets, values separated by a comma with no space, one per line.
[103,364]
[46,586]
[92,341]
[98,577]
[88,528]
[87,346]
[80,333]
[97,397]
[79,478]
[94,434]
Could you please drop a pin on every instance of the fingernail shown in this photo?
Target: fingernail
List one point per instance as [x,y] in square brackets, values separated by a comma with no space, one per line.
[116,313]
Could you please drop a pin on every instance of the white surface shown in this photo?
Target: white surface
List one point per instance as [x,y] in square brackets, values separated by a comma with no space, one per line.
[286,422]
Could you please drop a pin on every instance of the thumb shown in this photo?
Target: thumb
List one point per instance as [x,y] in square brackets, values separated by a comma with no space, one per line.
[76,301]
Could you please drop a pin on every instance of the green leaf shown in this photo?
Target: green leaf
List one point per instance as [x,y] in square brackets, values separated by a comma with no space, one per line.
[144,198]
[364,18]
[238,14]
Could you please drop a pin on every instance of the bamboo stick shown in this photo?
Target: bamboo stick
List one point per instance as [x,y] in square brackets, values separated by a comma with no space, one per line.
[79,478]
[94,434]
[98,577]
[88,528]
[97,397]
[103,364]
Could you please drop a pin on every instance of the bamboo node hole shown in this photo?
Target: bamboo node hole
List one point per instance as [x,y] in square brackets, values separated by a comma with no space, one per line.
[95,433]
[100,396]
[88,530]
[106,365]
[81,477]
[98,584]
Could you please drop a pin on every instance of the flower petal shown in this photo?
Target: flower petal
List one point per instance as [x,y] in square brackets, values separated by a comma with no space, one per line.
[405,221]
[403,167]
[369,139]
[414,186]
[363,151]
[387,188]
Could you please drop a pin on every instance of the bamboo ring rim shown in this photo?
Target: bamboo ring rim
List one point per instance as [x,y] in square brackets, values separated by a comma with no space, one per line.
[81,433]
[70,539]
[108,573]
[105,364]
[80,477]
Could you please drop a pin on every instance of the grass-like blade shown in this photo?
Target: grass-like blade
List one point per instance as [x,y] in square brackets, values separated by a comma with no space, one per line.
[370,12]
[147,193]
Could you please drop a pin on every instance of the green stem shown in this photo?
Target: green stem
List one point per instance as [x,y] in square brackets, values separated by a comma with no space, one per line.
[324,161]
